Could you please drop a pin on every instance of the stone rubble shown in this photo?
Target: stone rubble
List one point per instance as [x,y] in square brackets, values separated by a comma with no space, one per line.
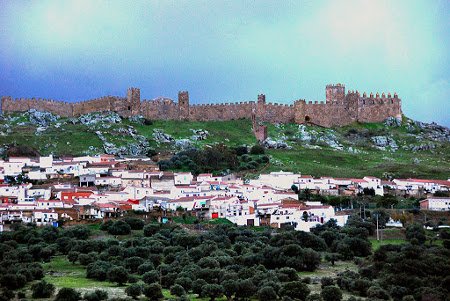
[392,122]
[275,144]
[139,119]
[183,144]
[384,142]
[96,118]
[199,134]
[160,137]
[40,118]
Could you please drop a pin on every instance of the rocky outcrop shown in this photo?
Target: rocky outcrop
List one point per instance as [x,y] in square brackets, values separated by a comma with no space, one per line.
[393,122]
[99,118]
[275,144]
[161,137]
[384,142]
[41,119]
[199,135]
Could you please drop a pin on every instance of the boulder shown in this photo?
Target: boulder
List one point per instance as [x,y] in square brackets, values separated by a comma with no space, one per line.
[40,130]
[330,139]
[99,118]
[40,118]
[275,144]
[383,142]
[304,135]
[161,137]
[199,134]
[392,122]
[421,147]
[183,144]
[139,119]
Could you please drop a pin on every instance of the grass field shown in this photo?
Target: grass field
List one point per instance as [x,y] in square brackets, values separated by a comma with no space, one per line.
[376,244]
[316,158]
[60,272]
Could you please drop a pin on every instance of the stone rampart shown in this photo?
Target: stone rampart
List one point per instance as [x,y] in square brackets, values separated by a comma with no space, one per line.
[339,109]
[61,108]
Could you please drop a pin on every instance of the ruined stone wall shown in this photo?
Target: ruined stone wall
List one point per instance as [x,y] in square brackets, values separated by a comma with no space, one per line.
[321,113]
[378,108]
[162,109]
[102,104]
[353,108]
[224,111]
[61,108]
[338,110]
[279,113]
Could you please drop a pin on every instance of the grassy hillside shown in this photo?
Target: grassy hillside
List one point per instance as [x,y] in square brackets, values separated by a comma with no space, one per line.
[341,152]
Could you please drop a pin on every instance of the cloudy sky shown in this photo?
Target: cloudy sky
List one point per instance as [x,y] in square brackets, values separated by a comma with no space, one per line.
[223,51]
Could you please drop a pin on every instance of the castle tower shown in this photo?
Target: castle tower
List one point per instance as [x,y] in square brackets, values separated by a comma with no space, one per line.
[183,105]
[335,93]
[261,107]
[133,102]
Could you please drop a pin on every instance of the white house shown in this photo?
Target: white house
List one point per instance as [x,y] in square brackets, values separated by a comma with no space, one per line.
[44,217]
[280,179]
[436,204]
[108,181]
[183,178]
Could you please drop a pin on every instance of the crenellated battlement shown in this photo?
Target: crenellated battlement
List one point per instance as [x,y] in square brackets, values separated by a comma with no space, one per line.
[339,107]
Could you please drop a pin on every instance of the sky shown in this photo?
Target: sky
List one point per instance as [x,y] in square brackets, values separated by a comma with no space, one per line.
[226,51]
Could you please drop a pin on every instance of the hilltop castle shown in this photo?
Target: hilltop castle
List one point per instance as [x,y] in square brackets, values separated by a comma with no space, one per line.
[340,108]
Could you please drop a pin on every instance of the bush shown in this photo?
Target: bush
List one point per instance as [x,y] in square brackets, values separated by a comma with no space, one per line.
[415,232]
[213,291]
[331,293]
[145,267]
[151,229]
[119,228]
[185,282]
[86,259]
[118,274]
[42,289]
[197,286]
[135,223]
[315,297]
[72,256]
[177,290]
[133,263]
[98,270]
[78,232]
[68,294]
[377,292]
[295,290]
[326,281]
[257,150]
[241,150]
[153,292]
[151,277]
[134,290]
[267,293]
[97,295]
[104,226]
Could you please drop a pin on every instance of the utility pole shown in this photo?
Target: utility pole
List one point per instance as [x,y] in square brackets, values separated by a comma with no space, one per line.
[378,231]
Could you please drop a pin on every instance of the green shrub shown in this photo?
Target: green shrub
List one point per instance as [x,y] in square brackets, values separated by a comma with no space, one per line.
[257,150]
[42,289]
[67,294]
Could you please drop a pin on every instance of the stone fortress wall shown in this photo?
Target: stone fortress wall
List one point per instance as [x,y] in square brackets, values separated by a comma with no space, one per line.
[339,109]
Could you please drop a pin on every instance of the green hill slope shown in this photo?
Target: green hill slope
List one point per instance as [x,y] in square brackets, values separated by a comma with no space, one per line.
[409,149]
